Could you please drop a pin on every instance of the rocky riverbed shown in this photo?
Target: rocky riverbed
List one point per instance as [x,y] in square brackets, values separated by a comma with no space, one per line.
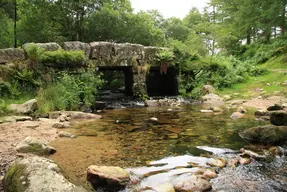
[135,138]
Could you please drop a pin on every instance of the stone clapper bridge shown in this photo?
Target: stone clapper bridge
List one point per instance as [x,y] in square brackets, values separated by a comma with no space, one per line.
[137,62]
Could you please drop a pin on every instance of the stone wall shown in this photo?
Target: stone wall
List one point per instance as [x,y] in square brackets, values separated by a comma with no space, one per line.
[100,54]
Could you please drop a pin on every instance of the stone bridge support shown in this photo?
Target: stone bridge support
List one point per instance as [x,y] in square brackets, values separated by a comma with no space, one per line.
[133,59]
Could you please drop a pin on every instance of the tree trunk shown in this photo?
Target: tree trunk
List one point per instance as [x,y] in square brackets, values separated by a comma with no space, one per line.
[15,23]
[248,36]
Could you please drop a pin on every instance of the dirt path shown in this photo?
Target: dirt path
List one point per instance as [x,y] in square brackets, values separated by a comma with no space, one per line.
[13,133]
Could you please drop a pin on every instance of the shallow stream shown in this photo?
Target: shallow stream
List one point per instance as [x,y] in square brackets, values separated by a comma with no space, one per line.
[127,138]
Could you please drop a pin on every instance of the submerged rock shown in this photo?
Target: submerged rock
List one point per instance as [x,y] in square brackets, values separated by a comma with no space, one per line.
[279,118]
[109,177]
[35,174]
[33,145]
[268,134]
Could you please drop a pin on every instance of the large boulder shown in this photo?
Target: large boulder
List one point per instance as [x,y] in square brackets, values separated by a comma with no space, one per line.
[185,183]
[109,177]
[211,100]
[78,46]
[279,118]
[268,134]
[35,146]
[45,46]
[25,108]
[207,89]
[35,174]
[11,54]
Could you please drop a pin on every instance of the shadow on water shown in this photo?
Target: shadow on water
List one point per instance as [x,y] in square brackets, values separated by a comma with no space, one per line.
[135,140]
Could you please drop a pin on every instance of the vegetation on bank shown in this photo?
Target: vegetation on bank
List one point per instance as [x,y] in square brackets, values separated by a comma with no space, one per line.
[55,89]
[236,46]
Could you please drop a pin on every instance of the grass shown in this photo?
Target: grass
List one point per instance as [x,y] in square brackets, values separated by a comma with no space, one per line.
[265,85]
[12,181]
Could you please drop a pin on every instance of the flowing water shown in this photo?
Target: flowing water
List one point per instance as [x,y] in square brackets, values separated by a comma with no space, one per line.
[127,138]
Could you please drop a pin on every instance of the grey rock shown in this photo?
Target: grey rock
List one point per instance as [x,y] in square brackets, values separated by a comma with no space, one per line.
[33,145]
[186,183]
[268,134]
[207,89]
[226,97]
[259,113]
[11,55]
[78,46]
[275,107]
[236,115]
[242,110]
[278,118]
[211,100]
[41,174]
[45,46]
[74,115]
[25,108]
[66,134]
[61,125]
[111,177]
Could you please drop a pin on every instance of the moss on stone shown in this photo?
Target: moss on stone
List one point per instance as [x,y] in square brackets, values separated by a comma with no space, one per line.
[15,179]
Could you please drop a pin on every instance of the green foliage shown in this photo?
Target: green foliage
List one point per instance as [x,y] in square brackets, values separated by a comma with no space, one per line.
[3,107]
[34,53]
[12,181]
[164,56]
[61,58]
[70,92]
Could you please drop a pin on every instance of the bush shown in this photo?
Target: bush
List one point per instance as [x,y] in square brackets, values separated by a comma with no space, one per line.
[70,92]
[63,59]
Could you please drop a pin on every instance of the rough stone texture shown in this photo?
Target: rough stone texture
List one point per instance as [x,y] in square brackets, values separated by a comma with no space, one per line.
[275,107]
[45,46]
[74,115]
[66,134]
[236,115]
[186,183]
[207,89]
[42,175]
[269,134]
[14,118]
[162,103]
[211,100]
[110,177]
[226,97]
[27,107]
[278,118]
[11,55]
[259,113]
[33,145]
[241,109]
[61,125]
[217,109]
[76,46]
[112,54]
